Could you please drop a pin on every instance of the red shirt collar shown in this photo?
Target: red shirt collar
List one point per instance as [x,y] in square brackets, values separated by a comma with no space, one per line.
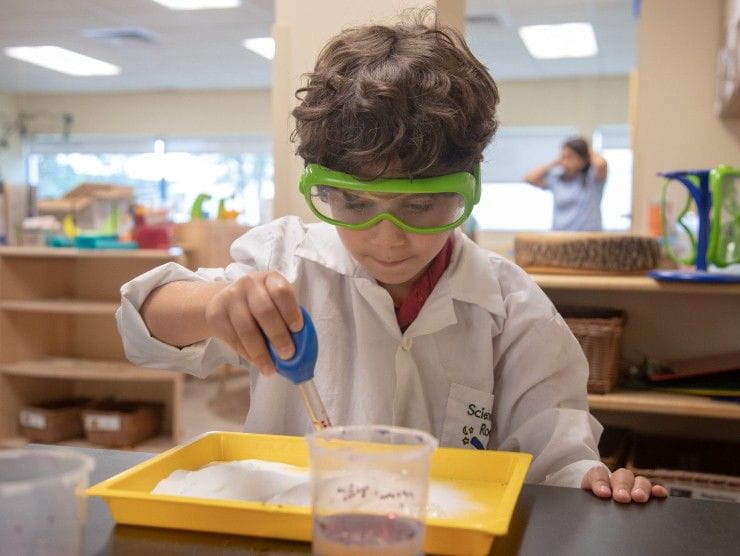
[408,309]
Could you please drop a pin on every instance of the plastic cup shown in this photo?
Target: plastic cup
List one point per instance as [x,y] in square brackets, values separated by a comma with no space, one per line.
[369,486]
[42,501]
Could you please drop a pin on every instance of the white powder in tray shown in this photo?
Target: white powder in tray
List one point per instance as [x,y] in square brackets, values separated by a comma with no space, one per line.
[280,483]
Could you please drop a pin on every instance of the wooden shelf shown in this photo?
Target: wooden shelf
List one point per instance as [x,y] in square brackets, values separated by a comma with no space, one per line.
[629,401]
[154,444]
[628,283]
[60,306]
[87,369]
[58,337]
[49,252]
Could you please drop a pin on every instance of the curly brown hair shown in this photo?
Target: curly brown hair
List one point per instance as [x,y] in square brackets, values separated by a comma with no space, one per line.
[408,98]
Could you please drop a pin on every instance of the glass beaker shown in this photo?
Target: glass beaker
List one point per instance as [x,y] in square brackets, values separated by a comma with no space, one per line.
[42,501]
[369,487]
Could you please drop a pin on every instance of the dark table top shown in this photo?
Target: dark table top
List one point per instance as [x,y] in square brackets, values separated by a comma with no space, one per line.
[546,521]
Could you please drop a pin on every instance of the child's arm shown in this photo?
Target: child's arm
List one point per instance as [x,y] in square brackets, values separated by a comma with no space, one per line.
[600,166]
[175,318]
[540,394]
[174,322]
[542,409]
[182,313]
[537,175]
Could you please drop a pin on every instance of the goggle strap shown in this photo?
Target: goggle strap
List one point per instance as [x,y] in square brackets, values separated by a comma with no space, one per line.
[476,174]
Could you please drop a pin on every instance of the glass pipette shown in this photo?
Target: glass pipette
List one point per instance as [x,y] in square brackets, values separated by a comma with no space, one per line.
[299,370]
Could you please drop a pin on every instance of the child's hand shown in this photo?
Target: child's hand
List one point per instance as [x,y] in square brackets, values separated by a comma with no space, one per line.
[622,485]
[255,303]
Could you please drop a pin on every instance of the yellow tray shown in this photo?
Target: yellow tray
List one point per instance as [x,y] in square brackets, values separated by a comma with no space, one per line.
[490,479]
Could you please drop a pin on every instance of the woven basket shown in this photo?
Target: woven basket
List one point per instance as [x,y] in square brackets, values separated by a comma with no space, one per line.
[690,467]
[601,341]
[693,484]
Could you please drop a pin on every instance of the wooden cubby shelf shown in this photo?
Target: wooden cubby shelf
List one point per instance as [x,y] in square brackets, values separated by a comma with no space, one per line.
[664,403]
[58,336]
[630,284]
[664,321]
[60,306]
[175,253]
[87,369]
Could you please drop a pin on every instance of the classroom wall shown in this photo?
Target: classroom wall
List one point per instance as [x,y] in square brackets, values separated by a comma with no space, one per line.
[11,157]
[676,127]
[181,112]
[585,103]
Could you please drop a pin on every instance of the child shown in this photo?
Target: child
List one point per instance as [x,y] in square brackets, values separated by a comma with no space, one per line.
[417,326]
[576,178]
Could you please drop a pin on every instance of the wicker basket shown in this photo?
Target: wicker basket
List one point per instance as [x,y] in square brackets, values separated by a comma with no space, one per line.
[693,484]
[693,468]
[599,331]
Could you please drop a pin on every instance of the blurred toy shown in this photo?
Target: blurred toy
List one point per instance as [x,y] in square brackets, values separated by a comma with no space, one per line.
[68,226]
[94,207]
[196,212]
[152,228]
[103,242]
[224,213]
[713,198]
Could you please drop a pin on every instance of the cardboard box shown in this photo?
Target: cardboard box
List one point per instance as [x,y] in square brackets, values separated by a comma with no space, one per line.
[121,424]
[53,421]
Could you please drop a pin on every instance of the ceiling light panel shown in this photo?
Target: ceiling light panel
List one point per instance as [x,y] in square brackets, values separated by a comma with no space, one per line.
[264,46]
[567,40]
[198,4]
[62,60]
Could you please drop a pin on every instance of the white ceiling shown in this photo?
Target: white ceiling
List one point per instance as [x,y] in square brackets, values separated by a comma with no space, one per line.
[202,49]
[502,51]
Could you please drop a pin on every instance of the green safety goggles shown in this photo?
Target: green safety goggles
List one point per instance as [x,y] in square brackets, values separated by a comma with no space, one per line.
[420,206]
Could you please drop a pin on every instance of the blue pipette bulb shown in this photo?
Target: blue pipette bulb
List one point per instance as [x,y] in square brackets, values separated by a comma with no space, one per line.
[299,368]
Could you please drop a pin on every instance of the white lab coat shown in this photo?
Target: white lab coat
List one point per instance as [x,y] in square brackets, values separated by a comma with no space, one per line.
[488,362]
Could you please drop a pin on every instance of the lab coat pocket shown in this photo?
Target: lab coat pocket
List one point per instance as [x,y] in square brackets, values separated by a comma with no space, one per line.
[468,418]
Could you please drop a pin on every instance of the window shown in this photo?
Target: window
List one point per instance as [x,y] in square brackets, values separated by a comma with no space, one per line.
[613,142]
[509,204]
[168,172]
